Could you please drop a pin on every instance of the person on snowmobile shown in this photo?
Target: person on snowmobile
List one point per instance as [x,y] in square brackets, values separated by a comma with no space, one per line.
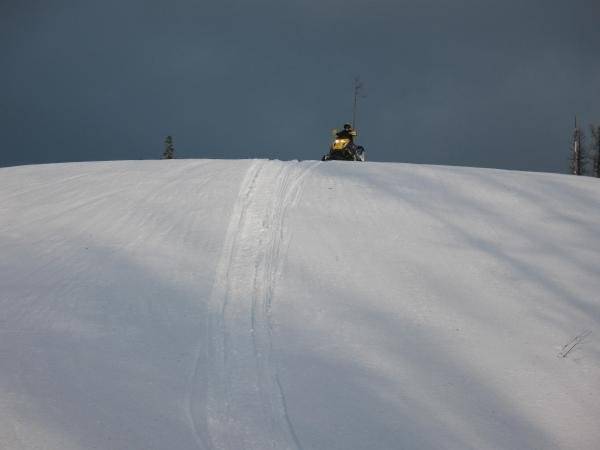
[344,148]
[347,133]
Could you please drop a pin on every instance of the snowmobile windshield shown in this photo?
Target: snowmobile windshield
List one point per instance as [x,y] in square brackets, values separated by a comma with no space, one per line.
[340,143]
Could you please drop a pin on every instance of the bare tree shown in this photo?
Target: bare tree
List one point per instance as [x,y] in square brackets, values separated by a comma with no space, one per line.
[577,151]
[169,152]
[595,150]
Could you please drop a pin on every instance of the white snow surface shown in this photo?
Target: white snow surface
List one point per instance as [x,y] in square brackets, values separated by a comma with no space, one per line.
[255,304]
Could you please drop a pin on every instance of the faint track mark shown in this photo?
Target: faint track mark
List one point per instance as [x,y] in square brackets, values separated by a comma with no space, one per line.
[240,403]
[573,343]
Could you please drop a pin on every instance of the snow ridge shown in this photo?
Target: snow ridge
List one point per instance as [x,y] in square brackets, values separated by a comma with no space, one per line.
[251,304]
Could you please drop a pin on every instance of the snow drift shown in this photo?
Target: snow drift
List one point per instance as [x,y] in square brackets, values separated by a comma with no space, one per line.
[297,305]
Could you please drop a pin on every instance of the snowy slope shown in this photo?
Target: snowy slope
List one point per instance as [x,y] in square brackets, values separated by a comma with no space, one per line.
[283,305]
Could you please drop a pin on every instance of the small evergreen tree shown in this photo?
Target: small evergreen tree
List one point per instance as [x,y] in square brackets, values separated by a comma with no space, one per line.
[169,152]
[595,147]
[577,151]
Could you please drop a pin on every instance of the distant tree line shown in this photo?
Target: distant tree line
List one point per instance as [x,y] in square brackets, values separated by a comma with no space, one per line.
[583,156]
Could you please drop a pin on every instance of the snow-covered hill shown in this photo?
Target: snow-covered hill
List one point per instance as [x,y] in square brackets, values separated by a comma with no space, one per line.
[297,305]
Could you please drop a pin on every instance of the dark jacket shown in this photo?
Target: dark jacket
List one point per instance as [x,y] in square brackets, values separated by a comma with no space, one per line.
[346,134]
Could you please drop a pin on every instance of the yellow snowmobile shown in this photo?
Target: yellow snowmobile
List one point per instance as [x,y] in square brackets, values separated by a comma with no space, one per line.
[343,147]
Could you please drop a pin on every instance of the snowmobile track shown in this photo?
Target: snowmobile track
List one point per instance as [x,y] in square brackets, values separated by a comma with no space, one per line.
[240,404]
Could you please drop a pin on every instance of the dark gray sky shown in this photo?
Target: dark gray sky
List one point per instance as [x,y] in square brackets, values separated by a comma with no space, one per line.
[470,82]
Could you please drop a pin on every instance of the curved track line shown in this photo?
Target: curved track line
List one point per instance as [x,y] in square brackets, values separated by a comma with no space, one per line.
[199,403]
[240,403]
[289,190]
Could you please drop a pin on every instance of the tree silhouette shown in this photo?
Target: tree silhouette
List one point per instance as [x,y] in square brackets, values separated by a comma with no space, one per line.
[169,152]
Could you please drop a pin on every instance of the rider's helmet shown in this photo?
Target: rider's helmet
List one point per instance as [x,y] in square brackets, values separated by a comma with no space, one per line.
[347,126]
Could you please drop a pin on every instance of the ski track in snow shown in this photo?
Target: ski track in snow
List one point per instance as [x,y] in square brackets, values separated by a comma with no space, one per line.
[240,403]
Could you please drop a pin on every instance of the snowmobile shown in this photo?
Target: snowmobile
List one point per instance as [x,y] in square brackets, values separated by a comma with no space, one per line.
[345,150]
[343,146]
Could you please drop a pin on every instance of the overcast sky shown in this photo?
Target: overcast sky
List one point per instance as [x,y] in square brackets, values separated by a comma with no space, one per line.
[464,82]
